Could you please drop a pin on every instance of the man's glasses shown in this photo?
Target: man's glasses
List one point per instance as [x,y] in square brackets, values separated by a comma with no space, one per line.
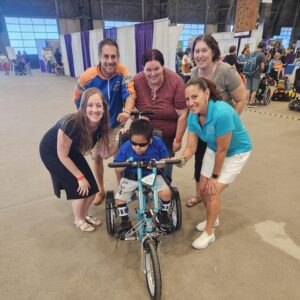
[139,144]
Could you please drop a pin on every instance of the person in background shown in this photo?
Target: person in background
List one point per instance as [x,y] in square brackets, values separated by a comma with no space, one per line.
[186,63]
[231,57]
[241,61]
[116,84]
[161,91]
[5,63]
[62,150]
[59,64]
[20,65]
[228,149]
[27,67]
[206,54]
[179,56]
[58,57]
[277,48]
[276,67]
[252,82]
[290,56]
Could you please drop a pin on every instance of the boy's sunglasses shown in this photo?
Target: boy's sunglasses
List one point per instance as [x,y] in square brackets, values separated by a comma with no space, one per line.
[139,144]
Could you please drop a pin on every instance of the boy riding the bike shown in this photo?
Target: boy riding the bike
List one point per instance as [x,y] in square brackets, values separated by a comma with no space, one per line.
[141,146]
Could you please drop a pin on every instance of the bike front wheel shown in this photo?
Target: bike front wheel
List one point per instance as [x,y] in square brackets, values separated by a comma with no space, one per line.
[152,268]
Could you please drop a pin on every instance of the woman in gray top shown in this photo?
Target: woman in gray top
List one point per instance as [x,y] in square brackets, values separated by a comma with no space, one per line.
[206,54]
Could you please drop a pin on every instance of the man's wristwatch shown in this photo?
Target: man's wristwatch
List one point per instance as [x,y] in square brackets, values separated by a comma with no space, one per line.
[214,176]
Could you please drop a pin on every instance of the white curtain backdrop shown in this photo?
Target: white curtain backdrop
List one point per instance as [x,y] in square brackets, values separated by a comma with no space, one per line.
[126,43]
[77,54]
[64,54]
[174,33]
[165,39]
[161,40]
[95,36]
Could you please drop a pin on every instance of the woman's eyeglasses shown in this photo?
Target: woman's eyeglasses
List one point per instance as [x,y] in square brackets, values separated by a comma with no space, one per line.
[139,144]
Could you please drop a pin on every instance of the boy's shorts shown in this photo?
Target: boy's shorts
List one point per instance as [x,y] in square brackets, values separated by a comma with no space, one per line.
[127,187]
[113,139]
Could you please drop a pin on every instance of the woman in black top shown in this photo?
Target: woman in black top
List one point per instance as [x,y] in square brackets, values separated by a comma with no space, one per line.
[62,149]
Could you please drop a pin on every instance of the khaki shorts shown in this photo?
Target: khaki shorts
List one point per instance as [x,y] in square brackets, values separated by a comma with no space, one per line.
[127,187]
[101,150]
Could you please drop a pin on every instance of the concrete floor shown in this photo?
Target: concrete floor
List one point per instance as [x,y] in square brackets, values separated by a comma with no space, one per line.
[42,255]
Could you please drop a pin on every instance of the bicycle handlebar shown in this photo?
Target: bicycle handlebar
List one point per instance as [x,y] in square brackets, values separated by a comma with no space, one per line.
[151,163]
[139,114]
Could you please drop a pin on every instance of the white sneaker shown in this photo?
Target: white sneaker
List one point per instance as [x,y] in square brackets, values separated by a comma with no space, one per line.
[201,226]
[204,240]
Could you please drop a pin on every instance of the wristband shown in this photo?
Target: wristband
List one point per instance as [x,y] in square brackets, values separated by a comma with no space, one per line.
[127,111]
[80,177]
[214,176]
[178,141]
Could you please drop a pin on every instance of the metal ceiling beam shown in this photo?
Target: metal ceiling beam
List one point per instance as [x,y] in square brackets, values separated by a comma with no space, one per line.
[229,13]
[293,35]
[275,19]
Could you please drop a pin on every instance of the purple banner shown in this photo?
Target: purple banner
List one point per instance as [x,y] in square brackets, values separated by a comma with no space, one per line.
[85,44]
[110,33]
[143,41]
[68,40]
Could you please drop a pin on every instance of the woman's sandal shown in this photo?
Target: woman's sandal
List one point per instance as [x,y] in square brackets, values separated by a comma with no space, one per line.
[85,226]
[99,198]
[93,220]
[194,200]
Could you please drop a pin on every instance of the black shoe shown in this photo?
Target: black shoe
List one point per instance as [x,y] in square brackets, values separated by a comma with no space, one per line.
[124,228]
[164,222]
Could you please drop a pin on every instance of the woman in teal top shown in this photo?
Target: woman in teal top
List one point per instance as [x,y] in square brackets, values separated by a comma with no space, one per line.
[228,148]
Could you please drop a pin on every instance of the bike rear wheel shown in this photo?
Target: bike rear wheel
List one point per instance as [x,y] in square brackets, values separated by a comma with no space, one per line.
[110,212]
[176,210]
[152,268]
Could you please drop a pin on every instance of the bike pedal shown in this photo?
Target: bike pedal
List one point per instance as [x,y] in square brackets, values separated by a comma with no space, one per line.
[130,236]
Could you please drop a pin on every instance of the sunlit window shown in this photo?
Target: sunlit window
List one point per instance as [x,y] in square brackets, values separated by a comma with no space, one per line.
[110,24]
[285,36]
[23,32]
[189,31]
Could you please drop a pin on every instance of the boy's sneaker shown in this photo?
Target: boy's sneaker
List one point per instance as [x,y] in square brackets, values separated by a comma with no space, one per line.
[124,227]
[164,222]
[203,240]
[201,226]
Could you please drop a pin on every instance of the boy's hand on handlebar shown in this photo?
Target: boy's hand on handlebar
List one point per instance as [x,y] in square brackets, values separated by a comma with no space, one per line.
[84,187]
[123,117]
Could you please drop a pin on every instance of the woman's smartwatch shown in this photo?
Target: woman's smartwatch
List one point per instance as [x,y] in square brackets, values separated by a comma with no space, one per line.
[214,176]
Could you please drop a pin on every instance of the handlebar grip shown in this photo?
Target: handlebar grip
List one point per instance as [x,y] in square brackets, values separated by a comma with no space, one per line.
[173,161]
[142,113]
[119,164]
